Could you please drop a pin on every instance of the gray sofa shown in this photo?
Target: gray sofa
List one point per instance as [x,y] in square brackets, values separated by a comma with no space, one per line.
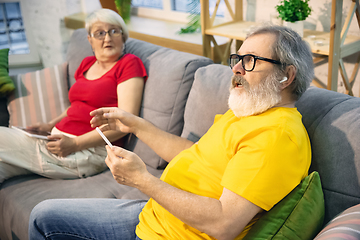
[183,94]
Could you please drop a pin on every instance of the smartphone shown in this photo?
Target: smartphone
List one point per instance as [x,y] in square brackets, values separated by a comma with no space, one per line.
[33,133]
[103,136]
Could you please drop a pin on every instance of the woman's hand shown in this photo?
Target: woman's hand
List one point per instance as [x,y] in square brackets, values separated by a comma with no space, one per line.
[61,145]
[41,127]
[113,119]
[126,167]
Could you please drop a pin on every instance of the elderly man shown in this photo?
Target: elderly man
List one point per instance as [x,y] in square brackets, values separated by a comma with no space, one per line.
[250,158]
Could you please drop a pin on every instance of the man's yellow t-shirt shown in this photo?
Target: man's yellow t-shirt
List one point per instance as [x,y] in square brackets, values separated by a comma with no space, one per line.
[261,158]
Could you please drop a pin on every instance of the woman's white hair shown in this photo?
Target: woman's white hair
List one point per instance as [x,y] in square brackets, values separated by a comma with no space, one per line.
[106,16]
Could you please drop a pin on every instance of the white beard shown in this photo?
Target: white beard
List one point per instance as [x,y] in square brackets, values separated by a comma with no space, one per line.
[253,100]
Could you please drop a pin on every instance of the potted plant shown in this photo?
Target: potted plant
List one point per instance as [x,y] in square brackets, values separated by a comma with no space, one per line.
[294,12]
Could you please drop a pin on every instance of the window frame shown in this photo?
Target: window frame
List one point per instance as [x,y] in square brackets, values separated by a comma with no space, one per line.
[33,57]
[164,14]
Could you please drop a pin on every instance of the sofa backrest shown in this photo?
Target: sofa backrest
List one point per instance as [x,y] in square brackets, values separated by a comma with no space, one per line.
[171,74]
[208,97]
[78,48]
[333,123]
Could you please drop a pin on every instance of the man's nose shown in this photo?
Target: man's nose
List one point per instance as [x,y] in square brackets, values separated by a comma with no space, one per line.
[238,69]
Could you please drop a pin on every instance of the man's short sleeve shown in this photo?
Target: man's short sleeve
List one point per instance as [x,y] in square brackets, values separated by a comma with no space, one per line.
[266,167]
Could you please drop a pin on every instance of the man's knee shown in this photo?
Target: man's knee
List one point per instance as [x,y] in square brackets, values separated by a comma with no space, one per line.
[43,212]
[41,215]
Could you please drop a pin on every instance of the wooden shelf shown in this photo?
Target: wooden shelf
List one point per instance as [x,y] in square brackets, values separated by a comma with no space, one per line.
[233,30]
[318,41]
[159,32]
[75,21]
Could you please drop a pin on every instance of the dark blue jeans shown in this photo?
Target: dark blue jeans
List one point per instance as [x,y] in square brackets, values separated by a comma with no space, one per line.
[96,219]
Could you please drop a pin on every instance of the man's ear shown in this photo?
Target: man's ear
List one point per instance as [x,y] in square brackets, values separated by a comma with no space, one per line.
[290,74]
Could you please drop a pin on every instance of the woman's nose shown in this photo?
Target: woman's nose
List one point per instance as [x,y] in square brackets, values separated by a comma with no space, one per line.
[107,37]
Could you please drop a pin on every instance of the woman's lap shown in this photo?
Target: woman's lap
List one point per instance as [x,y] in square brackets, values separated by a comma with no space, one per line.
[23,152]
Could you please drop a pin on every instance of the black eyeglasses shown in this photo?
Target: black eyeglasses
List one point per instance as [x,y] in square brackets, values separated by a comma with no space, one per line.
[100,35]
[248,61]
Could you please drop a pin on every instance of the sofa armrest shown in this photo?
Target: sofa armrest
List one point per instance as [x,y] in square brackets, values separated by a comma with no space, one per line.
[346,225]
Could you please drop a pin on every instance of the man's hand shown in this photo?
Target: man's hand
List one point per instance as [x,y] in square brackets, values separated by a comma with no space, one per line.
[61,145]
[126,167]
[113,119]
[165,144]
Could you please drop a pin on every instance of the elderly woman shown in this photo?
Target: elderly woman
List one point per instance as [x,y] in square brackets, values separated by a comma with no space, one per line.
[109,78]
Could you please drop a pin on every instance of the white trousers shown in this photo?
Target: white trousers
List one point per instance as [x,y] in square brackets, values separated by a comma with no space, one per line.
[20,154]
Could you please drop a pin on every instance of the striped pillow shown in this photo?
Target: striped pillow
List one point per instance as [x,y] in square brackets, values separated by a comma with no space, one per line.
[39,96]
[345,226]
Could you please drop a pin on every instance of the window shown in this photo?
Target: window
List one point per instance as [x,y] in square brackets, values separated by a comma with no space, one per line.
[175,10]
[182,5]
[13,35]
[148,3]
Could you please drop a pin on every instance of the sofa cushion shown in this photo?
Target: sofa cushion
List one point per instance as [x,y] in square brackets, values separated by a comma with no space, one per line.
[346,225]
[40,96]
[299,216]
[141,49]
[332,120]
[171,75]
[78,48]
[208,97]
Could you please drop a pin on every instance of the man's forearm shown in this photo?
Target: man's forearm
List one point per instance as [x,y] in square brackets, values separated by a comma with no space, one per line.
[203,213]
[165,144]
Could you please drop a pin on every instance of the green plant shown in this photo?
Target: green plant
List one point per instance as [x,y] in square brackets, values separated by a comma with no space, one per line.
[194,24]
[124,9]
[293,10]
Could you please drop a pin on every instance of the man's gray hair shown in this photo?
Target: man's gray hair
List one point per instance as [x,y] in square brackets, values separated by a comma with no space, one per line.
[106,16]
[291,49]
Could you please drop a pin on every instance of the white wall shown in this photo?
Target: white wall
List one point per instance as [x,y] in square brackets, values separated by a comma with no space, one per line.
[47,25]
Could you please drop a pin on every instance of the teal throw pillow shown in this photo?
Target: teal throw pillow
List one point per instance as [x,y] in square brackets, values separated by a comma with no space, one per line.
[6,84]
[298,216]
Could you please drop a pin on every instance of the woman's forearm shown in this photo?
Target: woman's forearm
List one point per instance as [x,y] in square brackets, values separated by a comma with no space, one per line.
[54,121]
